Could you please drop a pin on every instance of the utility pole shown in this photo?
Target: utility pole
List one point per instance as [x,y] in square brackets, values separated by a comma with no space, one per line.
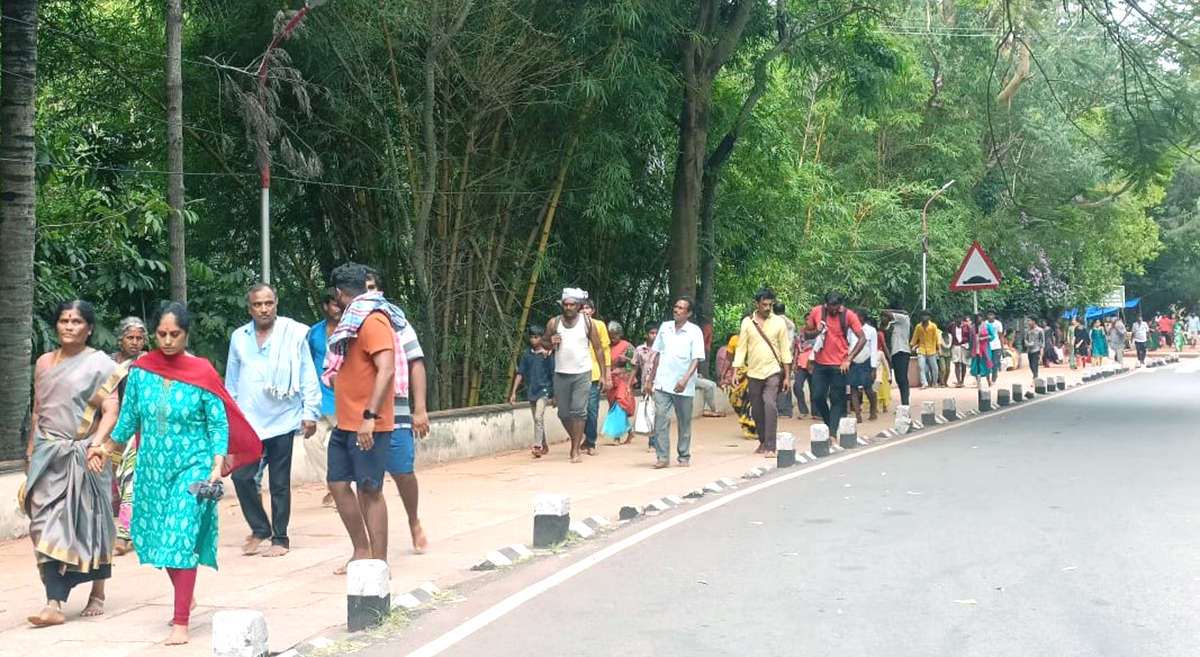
[925,246]
[264,169]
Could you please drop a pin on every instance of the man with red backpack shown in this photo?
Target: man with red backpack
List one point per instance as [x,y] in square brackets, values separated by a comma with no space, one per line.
[830,326]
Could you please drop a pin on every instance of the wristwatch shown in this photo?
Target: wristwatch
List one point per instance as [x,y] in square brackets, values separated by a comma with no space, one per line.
[368,414]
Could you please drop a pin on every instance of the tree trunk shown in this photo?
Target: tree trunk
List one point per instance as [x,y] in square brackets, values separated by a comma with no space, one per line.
[708,246]
[175,225]
[685,196]
[18,221]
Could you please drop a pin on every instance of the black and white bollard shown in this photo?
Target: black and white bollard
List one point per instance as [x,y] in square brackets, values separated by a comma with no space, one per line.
[819,440]
[1060,383]
[1002,398]
[368,593]
[785,450]
[1039,386]
[848,433]
[903,422]
[239,633]
[985,401]
[1018,393]
[551,519]
[950,409]
[928,414]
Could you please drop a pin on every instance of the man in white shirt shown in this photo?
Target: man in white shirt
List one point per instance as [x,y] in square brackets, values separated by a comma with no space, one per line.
[678,351]
[862,368]
[271,376]
[1141,333]
[1193,328]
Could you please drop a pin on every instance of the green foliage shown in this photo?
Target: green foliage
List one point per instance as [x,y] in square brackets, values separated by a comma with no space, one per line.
[862,120]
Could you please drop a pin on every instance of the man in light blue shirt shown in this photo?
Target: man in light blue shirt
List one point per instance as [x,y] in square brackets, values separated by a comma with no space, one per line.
[678,350]
[270,374]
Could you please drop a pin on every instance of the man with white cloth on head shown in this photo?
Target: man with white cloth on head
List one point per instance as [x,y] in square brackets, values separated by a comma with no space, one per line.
[271,376]
[574,340]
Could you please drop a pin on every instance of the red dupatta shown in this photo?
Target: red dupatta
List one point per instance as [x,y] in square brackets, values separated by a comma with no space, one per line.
[245,447]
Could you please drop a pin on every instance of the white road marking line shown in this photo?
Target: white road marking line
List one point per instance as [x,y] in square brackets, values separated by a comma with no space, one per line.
[512,602]
[1191,366]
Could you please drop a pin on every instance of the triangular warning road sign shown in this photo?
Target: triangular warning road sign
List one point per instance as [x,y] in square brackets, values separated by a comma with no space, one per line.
[976,272]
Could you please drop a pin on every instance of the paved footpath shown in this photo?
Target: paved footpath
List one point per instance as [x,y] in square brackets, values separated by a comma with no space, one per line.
[468,509]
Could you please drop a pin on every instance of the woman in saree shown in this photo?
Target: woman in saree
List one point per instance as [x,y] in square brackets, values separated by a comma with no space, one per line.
[192,434]
[75,406]
[618,425]
[131,345]
[739,397]
[1180,333]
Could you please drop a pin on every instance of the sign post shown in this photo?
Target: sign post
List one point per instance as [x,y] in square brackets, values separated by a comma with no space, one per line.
[977,272]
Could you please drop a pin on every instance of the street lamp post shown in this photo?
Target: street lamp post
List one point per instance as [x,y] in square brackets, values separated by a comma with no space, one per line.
[925,246]
[264,172]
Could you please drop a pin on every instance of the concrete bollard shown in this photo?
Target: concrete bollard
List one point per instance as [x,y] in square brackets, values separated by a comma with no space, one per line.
[950,409]
[1018,393]
[239,633]
[985,401]
[1002,397]
[1060,383]
[848,433]
[368,593]
[819,440]
[551,519]
[903,421]
[928,414]
[1039,386]
[785,450]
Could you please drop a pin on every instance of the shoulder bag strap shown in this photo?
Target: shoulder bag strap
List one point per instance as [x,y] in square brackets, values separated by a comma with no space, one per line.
[767,340]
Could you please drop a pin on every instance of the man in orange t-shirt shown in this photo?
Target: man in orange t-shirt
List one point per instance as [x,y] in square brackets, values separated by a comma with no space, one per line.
[363,392]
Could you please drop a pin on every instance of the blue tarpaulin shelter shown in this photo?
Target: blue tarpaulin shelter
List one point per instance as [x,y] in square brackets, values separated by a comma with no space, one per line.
[1093,312]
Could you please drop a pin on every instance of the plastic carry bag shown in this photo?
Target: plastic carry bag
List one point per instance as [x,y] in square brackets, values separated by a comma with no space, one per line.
[643,421]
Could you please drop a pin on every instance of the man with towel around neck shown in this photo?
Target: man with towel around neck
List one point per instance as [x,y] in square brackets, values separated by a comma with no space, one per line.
[273,380]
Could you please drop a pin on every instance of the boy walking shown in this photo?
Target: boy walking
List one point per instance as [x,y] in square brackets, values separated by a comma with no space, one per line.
[536,369]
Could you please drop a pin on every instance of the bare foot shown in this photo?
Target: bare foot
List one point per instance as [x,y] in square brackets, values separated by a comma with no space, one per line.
[420,543]
[276,551]
[49,616]
[123,546]
[191,607]
[251,545]
[95,607]
[327,500]
[341,570]
[537,452]
[178,636]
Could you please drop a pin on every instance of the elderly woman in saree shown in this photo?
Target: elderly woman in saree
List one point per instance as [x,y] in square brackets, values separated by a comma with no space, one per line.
[131,345]
[192,434]
[70,508]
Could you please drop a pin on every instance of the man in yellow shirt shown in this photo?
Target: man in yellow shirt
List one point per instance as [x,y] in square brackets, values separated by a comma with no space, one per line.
[588,308]
[925,339]
[764,352]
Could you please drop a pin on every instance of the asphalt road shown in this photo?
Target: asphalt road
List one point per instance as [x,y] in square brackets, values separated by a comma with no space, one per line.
[1064,528]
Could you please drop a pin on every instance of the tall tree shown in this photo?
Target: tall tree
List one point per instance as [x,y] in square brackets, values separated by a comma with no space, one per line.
[18,221]
[705,51]
[176,229]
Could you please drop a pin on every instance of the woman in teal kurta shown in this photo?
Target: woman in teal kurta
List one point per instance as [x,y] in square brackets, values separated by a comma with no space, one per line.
[192,434]
[1099,342]
[183,429]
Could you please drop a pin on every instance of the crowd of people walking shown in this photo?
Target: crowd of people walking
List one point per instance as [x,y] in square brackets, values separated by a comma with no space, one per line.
[128,451]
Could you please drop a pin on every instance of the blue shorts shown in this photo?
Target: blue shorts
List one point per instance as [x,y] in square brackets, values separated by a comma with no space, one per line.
[403,452]
[349,463]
